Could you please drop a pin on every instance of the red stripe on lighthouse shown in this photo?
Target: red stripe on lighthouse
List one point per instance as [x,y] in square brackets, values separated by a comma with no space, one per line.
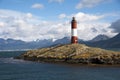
[74,38]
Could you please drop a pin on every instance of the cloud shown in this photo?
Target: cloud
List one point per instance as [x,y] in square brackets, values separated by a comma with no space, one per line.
[2,24]
[17,25]
[89,3]
[28,27]
[116,26]
[59,1]
[87,31]
[38,6]
[29,15]
[81,17]
[61,16]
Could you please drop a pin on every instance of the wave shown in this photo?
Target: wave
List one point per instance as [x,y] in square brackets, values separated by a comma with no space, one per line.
[13,61]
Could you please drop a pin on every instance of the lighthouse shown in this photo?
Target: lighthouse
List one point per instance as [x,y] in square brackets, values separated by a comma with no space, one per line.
[74,38]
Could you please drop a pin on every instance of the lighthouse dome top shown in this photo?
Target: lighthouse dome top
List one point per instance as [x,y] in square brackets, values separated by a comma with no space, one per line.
[73,19]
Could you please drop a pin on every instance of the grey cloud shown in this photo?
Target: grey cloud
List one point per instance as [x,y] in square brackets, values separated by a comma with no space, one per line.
[94,30]
[116,26]
[104,30]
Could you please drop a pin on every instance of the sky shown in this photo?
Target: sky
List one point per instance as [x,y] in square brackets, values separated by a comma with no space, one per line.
[29,20]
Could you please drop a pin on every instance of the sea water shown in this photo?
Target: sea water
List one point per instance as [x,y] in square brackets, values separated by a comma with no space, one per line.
[13,69]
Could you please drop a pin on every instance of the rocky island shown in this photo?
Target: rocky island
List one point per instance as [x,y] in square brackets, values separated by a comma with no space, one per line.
[72,53]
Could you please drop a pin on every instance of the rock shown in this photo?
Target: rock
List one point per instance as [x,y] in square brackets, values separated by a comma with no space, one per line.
[73,53]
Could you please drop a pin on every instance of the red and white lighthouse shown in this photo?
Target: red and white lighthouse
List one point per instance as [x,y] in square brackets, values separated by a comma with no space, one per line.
[74,38]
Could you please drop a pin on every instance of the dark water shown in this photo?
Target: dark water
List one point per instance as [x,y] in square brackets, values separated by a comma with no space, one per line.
[12,69]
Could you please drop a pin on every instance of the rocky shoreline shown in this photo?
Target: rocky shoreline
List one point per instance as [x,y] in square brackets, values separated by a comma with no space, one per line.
[72,53]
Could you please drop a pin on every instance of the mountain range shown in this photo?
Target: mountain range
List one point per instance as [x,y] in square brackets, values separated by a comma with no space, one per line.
[101,41]
[100,37]
[11,44]
[113,42]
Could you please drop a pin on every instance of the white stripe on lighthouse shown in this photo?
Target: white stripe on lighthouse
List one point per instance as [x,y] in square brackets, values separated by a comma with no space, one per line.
[74,32]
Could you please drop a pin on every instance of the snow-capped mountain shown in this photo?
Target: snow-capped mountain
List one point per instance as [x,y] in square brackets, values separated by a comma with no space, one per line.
[100,37]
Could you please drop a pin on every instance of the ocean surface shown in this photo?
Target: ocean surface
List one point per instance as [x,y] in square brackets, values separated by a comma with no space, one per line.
[13,69]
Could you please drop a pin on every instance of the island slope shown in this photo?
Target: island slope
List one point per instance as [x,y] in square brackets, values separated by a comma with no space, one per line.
[73,53]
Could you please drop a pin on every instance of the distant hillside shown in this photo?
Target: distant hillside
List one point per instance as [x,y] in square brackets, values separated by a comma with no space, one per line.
[110,43]
[100,38]
[11,44]
[65,40]
[99,41]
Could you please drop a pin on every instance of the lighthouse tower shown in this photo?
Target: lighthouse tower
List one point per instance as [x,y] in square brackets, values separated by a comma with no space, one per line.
[74,38]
